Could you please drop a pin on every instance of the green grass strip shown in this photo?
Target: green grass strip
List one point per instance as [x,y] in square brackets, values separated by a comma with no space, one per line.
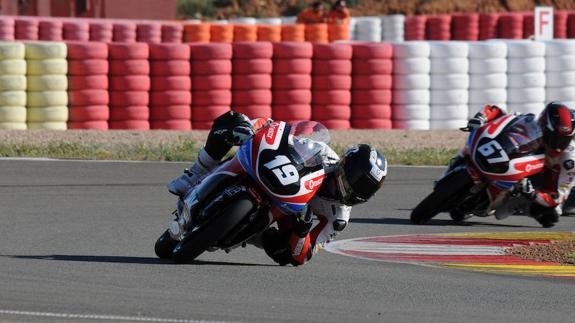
[185,151]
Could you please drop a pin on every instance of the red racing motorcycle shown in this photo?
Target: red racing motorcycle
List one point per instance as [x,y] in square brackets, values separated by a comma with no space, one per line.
[272,175]
[482,182]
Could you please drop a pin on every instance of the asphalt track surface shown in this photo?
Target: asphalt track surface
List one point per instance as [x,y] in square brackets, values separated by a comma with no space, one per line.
[77,238]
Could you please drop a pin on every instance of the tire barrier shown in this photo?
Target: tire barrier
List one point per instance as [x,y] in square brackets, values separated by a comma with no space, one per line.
[525,76]
[211,82]
[449,85]
[7,28]
[88,85]
[510,26]
[12,86]
[371,86]
[316,33]
[222,33]
[465,26]
[245,33]
[393,28]
[488,25]
[487,75]
[129,86]
[51,29]
[172,33]
[292,81]
[124,32]
[149,32]
[196,33]
[101,31]
[252,78]
[438,27]
[368,29]
[331,85]
[47,99]
[295,32]
[560,71]
[411,84]
[415,27]
[433,85]
[270,33]
[76,30]
[26,28]
[170,96]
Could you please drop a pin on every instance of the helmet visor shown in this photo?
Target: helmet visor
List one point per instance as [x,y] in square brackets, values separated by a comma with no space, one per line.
[358,192]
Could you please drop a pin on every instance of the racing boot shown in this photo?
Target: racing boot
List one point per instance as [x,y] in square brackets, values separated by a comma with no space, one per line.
[546,216]
[192,176]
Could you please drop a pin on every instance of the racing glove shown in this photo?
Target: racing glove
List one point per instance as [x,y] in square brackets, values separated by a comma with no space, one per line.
[525,187]
[477,121]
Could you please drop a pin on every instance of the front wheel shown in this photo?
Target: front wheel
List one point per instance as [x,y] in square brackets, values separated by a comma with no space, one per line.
[165,246]
[217,227]
[448,191]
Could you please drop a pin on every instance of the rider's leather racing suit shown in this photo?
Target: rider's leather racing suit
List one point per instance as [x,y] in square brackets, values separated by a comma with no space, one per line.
[294,241]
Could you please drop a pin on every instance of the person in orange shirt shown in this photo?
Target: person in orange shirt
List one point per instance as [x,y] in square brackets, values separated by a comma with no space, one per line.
[312,15]
[339,13]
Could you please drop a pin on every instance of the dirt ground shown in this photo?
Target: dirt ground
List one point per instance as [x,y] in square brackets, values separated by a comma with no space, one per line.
[559,251]
[390,139]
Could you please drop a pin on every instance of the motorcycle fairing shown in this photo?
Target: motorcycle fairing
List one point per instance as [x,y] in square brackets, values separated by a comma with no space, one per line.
[502,169]
[270,161]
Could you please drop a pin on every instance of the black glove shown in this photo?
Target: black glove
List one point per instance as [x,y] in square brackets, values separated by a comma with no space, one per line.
[303,223]
[230,129]
[477,121]
[525,187]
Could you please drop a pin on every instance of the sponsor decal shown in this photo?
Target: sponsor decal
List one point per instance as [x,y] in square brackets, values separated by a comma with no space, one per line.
[313,183]
[272,133]
[569,164]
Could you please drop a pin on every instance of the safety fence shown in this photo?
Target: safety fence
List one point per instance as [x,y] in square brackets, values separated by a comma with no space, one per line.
[412,85]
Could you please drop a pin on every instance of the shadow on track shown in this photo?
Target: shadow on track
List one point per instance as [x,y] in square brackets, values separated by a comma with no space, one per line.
[130,260]
[398,221]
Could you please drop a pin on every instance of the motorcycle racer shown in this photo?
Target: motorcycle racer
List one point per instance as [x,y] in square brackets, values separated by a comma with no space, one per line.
[557,123]
[349,181]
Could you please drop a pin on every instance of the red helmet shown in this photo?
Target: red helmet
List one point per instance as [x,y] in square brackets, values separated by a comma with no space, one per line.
[557,122]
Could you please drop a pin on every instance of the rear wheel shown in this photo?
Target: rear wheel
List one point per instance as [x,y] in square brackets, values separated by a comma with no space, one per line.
[215,228]
[448,191]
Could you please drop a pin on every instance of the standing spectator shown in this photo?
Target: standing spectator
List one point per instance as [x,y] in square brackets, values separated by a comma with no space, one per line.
[312,15]
[338,14]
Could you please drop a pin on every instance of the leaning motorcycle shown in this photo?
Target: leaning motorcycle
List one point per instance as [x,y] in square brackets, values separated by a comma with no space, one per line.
[272,175]
[482,182]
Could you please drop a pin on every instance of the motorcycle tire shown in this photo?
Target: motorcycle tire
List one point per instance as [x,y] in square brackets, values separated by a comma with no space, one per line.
[447,191]
[165,246]
[216,228]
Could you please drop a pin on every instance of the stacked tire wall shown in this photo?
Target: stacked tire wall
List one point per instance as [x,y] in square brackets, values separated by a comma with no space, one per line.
[560,72]
[449,94]
[171,96]
[331,85]
[411,83]
[91,85]
[211,82]
[47,98]
[371,86]
[129,86]
[292,81]
[88,85]
[252,68]
[487,75]
[12,86]
[525,76]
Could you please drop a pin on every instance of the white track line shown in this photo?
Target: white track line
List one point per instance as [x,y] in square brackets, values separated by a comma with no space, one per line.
[100,317]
